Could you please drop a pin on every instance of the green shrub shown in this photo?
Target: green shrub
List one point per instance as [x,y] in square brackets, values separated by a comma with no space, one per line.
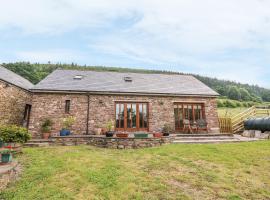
[220,103]
[46,126]
[14,134]
[167,128]
[68,122]
[230,104]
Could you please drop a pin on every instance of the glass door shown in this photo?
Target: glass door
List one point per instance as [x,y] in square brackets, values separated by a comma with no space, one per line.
[187,111]
[131,116]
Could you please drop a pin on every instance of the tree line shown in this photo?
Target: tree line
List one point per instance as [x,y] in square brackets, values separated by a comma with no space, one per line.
[35,72]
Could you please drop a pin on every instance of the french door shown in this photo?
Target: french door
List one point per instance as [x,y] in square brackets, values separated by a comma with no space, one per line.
[131,116]
[189,111]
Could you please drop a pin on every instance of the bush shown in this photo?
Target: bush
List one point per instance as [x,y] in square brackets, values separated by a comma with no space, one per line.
[230,104]
[46,126]
[220,103]
[167,128]
[14,134]
[68,122]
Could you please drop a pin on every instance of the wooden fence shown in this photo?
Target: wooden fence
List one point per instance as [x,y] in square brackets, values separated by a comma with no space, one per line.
[225,124]
[235,124]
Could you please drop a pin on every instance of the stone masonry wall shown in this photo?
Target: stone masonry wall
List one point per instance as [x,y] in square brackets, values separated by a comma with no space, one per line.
[102,109]
[12,103]
[52,106]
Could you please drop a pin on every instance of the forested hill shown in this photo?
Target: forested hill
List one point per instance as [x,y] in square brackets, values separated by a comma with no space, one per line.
[237,91]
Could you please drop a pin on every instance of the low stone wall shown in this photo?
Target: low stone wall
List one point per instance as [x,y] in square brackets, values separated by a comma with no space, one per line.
[112,143]
[256,134]
[8,173]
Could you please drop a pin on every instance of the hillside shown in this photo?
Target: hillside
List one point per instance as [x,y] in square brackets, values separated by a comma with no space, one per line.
[232,90]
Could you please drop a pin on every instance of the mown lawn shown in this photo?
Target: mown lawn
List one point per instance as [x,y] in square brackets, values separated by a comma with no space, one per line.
[214,171]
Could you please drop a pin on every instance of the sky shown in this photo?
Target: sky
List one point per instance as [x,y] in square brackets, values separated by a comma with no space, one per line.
[228,39]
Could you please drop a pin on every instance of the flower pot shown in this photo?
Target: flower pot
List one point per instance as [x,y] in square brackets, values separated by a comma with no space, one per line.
[141,135]
[64,132]
[109,134]
[157,135]
[6,157]
[46,135]
[122,135]
[166,134]
[98,131]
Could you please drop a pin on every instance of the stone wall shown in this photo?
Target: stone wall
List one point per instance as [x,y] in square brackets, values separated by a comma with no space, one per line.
[12,103]
[112,143]
[102,109]
[52,106]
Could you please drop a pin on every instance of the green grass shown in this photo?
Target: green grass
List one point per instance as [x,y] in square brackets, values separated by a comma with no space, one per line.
[214,171]
[229,112]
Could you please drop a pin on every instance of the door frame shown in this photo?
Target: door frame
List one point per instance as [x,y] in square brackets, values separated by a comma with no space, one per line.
[178,128]
[126,129]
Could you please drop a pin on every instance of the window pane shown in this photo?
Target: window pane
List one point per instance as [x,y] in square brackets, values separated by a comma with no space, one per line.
[145,115]
[129,116]
[134,120]
[117,115]
[176,118]
[141,115]
[121,116]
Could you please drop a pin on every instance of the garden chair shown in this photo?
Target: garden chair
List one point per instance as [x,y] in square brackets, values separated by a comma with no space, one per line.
[202,125]
[187,127]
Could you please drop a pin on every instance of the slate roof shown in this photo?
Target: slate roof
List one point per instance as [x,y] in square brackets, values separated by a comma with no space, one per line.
[13,78]
[113,82]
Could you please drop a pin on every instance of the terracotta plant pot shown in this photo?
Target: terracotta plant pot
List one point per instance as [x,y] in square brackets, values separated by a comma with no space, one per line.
[157,135]
[46,135]
[122,135]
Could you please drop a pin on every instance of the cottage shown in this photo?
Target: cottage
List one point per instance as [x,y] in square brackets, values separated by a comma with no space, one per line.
[136,102]
[15,98]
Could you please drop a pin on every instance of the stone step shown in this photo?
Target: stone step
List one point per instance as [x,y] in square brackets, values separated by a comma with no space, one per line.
[203,134]
[205,141]
[205,138]
[36,144]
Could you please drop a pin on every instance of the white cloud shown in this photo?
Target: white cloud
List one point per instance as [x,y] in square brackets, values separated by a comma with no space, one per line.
[54,56]
[193,33]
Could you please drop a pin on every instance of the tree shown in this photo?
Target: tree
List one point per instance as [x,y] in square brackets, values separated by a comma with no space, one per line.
[244,94]
[233,93]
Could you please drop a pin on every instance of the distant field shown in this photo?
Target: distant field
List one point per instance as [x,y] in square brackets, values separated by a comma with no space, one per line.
[228,112]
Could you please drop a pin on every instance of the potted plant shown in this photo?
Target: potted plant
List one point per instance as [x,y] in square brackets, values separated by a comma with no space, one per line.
[46,127]
[98,130]
[157,135]
[13,136]
[166,130]
[140,135]
[6,155]
[110,127]
[67,124]
[122,135]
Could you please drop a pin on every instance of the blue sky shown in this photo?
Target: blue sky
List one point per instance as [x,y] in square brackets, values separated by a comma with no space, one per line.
[224,39]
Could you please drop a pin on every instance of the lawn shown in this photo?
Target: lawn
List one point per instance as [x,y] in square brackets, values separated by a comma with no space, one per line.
[213,171]
[229,112]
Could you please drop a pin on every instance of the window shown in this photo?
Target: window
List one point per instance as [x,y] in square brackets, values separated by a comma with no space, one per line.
[190,111]
[26,116]
[67,106]
[131,116]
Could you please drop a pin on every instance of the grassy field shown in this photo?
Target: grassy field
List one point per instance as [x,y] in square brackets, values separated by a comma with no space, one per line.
[214,171]
[228,112]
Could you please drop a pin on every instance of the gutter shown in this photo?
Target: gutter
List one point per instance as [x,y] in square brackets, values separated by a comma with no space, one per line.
[120,93]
